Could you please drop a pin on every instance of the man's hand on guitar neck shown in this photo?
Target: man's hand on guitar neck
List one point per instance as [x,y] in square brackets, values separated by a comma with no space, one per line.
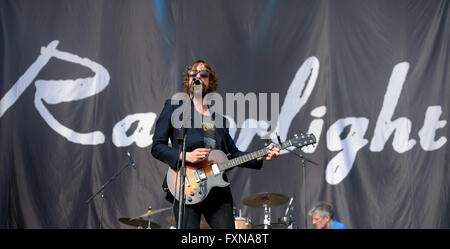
[272,154]
[196,155]
[201,154]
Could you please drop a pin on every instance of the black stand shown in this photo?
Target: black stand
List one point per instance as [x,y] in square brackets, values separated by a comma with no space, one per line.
[102,188]
[303,164]
[182,136]
[181,196]
[305,185]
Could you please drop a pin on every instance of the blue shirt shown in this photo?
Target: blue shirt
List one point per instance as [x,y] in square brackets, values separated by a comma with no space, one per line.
[337,225]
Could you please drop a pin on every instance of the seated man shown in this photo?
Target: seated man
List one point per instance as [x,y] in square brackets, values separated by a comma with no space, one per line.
[323,217]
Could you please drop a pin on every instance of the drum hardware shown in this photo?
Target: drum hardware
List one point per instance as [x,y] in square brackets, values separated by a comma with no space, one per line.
[267,213]
[278,225]
[241,222]
[140,222]
[288,220]
[171,220]
[267,201]
[270,199]
[152,212]
[283,223]
[303,165]
[101,190]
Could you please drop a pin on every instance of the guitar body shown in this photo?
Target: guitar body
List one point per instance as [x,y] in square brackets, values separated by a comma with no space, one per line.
[200,178]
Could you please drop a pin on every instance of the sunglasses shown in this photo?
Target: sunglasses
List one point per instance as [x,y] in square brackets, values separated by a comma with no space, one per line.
[203,73]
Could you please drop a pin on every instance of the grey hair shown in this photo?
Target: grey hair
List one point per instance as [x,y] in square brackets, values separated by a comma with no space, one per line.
[322,209]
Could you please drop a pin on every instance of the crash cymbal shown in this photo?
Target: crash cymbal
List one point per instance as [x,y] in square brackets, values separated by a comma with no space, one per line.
[139,223]
[272,226]
[271,199]
[152,212]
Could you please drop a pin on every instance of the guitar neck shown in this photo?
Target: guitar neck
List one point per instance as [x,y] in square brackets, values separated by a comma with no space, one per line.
[248,157]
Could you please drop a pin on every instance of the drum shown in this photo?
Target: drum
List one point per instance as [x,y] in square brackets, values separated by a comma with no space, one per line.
[242,223]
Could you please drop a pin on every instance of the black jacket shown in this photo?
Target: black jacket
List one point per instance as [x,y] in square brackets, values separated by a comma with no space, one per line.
[169,155]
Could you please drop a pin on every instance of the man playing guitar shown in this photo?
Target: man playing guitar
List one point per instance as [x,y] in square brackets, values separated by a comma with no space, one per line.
[204,148]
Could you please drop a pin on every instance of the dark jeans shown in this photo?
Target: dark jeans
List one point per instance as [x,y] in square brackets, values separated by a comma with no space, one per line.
[217,209]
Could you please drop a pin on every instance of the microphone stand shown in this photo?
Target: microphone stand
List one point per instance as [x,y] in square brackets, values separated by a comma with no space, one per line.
[102,189]
[303,158]
[182,136]
[303,164]
[181,196]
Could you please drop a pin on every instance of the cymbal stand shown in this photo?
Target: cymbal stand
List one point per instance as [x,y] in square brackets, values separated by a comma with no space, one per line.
[267,214]
[149,219]
[102,189]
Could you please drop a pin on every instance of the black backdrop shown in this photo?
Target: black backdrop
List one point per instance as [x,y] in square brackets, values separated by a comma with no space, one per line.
[82,83]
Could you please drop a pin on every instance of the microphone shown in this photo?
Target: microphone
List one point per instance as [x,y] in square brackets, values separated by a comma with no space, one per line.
[130,158]
[289,207]
[197,82]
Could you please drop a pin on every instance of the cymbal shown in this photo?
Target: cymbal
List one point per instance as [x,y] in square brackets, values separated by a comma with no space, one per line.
[139,223]
[272,200]
[152,212]
[272,226]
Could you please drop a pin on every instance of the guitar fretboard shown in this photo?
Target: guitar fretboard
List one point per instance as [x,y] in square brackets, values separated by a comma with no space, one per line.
[250,156]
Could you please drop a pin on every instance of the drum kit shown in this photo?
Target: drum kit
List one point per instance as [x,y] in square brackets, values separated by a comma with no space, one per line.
[263,200]
[140,222]
[266,201]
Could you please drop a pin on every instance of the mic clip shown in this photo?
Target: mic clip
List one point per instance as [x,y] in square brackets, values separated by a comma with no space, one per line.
[197,81]
[130,158]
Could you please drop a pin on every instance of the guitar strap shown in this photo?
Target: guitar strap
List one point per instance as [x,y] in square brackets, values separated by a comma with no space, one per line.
[224,142]
[228,154]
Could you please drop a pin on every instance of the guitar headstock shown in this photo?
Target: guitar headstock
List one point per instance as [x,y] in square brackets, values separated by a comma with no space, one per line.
[301,140]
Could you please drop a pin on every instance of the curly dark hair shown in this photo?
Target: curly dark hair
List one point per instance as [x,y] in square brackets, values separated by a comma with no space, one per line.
[212,76]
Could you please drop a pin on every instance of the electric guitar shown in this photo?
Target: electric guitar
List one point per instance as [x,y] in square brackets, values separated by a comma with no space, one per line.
[203,176]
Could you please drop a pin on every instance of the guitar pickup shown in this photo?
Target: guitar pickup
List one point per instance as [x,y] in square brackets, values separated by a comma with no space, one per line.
[215,169]
[199,174]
